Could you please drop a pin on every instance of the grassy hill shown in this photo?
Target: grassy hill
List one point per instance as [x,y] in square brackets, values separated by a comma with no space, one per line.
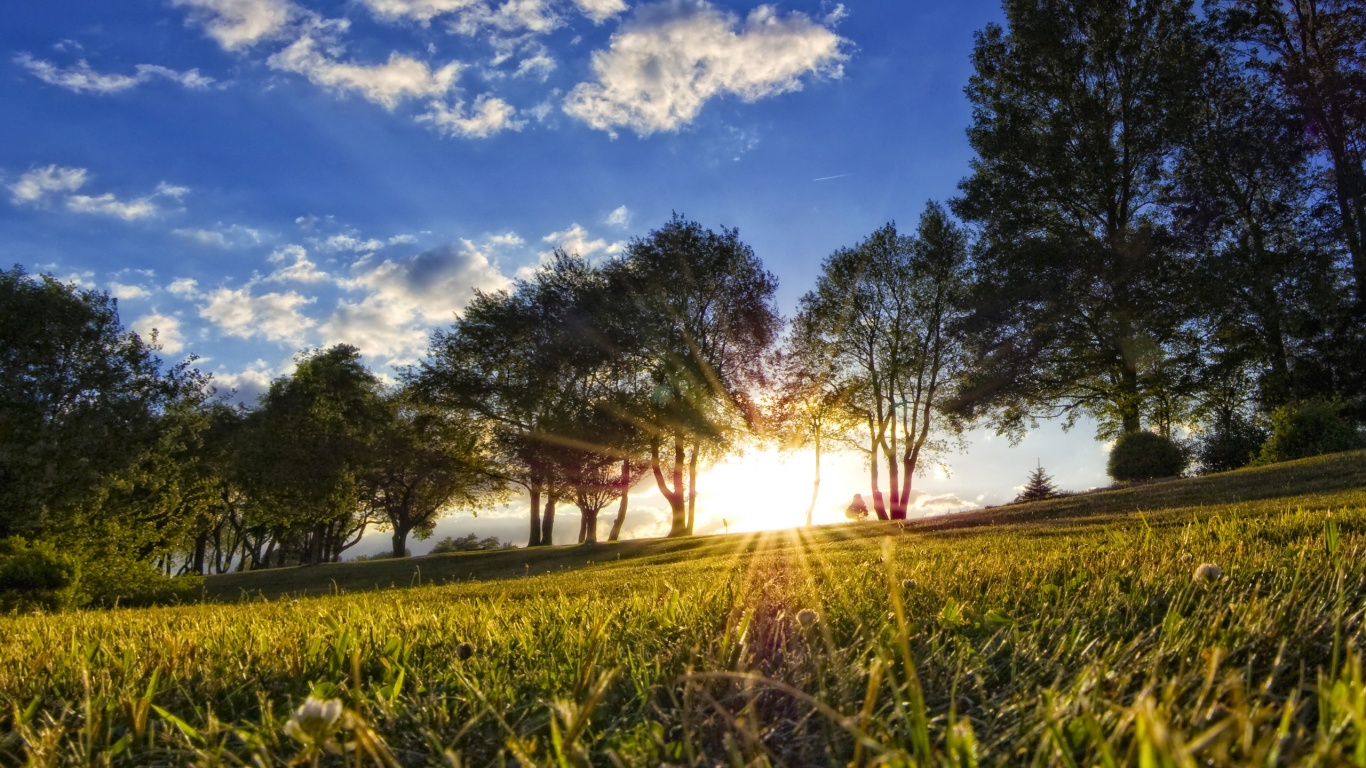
[1070,632]
[1314,483]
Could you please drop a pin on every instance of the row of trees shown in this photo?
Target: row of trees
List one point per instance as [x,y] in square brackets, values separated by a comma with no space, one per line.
[1162,231]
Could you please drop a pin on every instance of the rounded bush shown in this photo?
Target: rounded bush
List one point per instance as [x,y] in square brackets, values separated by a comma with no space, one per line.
[1232,444]
[35,576]
[1144,456]
[1312,428]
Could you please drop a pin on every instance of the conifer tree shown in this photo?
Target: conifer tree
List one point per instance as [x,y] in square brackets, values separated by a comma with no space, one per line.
[1039,487]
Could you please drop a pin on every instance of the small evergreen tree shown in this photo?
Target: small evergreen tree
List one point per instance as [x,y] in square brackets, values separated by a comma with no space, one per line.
[1039,487]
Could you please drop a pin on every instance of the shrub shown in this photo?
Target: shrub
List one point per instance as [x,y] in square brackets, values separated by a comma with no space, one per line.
[1311,428]
[469,543]
[129,582]
[35,576]
[1232,444]
[1144,456]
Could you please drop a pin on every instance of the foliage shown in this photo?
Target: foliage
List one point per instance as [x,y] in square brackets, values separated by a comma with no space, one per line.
[1232,443]
[1039,487]
[878,332]
[703,311]
[1145,456]
[1311,428]
[34,575]
[308,451]
[926,648]
[81,401]
[857,509]
[1078,305]
[468,543]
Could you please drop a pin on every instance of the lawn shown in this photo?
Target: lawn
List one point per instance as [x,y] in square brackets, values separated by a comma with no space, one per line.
[1068,632]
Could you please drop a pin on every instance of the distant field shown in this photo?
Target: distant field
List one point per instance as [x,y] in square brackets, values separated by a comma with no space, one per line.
[1067,633]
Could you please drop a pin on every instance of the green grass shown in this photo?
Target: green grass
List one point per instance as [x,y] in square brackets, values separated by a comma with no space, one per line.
[1063,633]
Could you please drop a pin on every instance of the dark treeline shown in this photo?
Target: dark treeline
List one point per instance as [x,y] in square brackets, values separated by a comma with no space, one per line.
[1163,230]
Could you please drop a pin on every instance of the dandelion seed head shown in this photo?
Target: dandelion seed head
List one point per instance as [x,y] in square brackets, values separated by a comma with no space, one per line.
[806,617]
[1207,572]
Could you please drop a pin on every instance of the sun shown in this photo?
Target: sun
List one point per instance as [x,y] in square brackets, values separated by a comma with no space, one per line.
[763,490]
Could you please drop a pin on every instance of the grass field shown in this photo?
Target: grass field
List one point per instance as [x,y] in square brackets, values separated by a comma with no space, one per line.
[1068,632]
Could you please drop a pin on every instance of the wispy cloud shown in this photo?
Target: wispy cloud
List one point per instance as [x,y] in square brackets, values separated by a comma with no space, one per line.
[82,78]
[40,185]
[387,84]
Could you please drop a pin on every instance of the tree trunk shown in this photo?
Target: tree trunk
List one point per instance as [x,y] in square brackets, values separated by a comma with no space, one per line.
[675,498]
[878,506]
[625,495]
[201,545]
[816,483]
[548,520]
[583,525]
[535,490]
[589,535]
[692,488]
[898,506]
[400,540]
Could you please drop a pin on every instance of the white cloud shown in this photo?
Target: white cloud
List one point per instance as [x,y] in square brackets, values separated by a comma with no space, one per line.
[512,16]
[619,218]
[240,23]
[221,236]
[418,10]
[671,57]
[184,286]
[348,241]
[109,205]
[406,297]
[273,316]
[385,84]
[295,267]
[128,292]
[403,239]
[166,328]
[539,66]
[600,10]
[247,385]
[39,182]
[576,239]
[81,78]
[488,116]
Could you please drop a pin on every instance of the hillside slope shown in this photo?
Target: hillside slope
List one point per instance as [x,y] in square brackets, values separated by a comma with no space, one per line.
[1317,483]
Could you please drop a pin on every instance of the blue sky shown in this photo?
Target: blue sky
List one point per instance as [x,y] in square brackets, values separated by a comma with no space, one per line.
[251,177]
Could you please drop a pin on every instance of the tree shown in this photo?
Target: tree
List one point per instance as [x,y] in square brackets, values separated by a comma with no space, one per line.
[703,315]
[83,401]
[428,460]
[1039,487]
[1077,307]
[1315,51]
[809,406]
[882,316]
[543,368]
[1242,202]
[312,446]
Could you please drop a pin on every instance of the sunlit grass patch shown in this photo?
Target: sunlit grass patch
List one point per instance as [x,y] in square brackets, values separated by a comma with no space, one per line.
[1070,641]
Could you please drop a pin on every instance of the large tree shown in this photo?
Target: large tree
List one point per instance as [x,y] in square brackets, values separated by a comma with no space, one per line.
[428,461]
[702,309]
[1243,199]
[880,322]
[1315,51]
[1078,107]
[85,405]
[312,447]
